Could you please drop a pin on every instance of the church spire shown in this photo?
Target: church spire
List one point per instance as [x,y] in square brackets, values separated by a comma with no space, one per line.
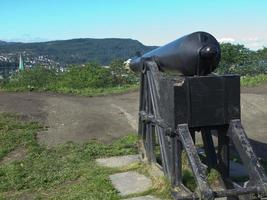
[21,66]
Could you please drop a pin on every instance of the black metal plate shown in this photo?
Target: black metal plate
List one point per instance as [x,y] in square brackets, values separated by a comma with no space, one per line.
[207,100]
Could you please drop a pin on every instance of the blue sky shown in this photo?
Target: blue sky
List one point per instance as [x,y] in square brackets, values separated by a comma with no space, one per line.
[153,22]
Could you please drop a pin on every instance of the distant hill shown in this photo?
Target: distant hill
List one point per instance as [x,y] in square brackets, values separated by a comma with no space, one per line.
[77,51]
[2,42]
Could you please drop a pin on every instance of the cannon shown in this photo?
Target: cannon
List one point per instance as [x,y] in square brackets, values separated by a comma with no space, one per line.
[194,54]
[180,99]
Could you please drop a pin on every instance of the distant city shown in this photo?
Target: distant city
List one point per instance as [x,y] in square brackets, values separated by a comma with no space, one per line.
[10,62]
[28,60]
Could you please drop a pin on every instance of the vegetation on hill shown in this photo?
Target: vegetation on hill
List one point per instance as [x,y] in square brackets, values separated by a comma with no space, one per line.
[2,42]
[89,79]
[240,60]
[251,65]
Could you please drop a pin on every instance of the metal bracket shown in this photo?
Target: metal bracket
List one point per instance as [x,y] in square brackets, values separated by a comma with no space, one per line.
[148,118]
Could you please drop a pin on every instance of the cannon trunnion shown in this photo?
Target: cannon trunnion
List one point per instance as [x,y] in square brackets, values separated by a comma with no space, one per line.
[175,107]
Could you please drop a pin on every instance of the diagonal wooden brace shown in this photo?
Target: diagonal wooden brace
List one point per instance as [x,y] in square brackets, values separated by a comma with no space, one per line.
[256,172]
[198,168]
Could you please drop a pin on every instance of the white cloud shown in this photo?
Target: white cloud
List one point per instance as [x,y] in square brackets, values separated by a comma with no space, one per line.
[226,39]
[253,43]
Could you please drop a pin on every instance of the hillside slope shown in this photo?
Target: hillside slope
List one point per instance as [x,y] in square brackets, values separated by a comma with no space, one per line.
[77,51]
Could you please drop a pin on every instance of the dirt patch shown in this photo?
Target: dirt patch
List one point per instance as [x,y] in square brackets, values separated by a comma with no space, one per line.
[75,118]
[28,105]
[70,182]
[79,119]
[21,196]
[262,89]
[254,117]
[15,155]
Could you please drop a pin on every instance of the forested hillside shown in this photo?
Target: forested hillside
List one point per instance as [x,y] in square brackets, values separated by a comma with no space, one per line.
[75,51]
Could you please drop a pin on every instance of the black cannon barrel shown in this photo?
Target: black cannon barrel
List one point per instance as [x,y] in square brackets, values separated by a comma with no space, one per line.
[195,54]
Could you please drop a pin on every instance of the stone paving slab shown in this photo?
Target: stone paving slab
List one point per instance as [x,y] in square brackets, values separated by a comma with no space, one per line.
[130,182]
[148,197]
[118,161]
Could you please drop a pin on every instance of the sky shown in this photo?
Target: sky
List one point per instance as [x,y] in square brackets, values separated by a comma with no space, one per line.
[152,22]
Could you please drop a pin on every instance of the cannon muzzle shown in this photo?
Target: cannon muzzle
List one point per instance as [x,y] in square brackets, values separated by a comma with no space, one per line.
[194,54]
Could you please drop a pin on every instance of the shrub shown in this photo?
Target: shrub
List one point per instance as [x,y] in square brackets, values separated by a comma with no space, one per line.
[74,78]
[88,76]
[244,70]
[120,75]
[38,77]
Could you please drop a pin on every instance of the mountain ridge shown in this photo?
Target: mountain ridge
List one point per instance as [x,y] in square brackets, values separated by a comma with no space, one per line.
[77,50]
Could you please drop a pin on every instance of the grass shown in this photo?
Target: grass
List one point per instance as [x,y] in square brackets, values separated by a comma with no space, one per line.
[98,91]
[14,133]
[63,172]
[161,185]
[83,92]
[248,81]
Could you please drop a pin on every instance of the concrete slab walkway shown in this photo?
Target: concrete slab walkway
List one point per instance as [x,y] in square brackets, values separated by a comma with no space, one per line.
[127,183]
[131,182]
[148,197]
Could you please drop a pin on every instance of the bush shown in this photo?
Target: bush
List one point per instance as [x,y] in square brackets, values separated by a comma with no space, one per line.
[94,76]
[245,70]
[120,75]
[38,77]
[89,77]
[237,59]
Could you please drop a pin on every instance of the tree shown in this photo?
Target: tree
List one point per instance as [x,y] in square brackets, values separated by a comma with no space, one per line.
[262,54]
[235,54]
